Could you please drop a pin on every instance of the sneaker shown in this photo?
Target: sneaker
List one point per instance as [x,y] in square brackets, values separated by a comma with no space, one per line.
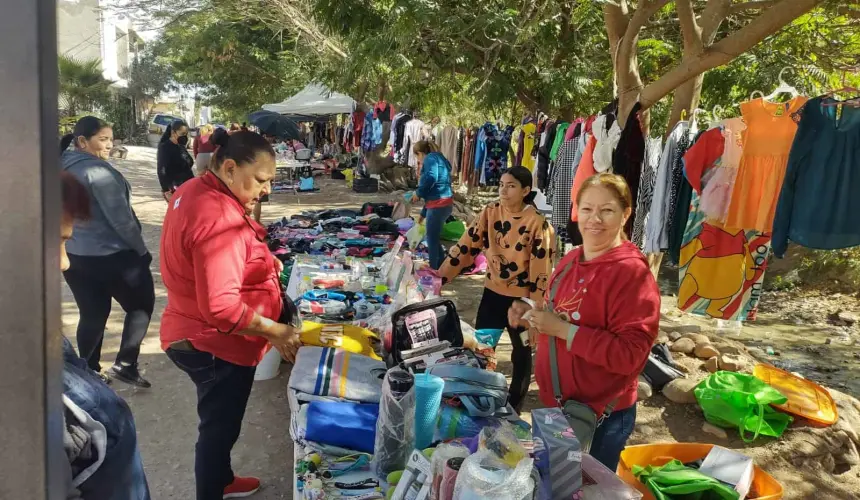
[242,487]
[107,380]
[128,374]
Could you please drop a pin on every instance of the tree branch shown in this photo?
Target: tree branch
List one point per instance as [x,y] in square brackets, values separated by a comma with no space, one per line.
[713,16]
[690,29]
[752,5]
[766,24]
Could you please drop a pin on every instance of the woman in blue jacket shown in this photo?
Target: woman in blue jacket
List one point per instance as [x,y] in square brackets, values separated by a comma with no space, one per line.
[434,187]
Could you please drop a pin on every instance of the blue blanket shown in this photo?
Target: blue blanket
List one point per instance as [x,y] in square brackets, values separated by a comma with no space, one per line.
[348,425]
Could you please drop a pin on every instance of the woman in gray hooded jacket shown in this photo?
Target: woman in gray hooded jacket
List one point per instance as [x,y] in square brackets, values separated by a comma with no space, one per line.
[108,256]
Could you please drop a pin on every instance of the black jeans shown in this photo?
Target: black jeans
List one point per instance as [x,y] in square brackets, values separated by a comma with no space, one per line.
[493,313]
[222,396]
[124,276]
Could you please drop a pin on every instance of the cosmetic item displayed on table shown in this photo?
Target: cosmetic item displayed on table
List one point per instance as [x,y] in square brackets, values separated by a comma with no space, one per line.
[557,454]
[395,429]
[428,396]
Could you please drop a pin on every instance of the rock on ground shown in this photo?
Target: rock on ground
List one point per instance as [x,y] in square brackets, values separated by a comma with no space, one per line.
[712,365]
[680,391]
[704,350]
[684,346]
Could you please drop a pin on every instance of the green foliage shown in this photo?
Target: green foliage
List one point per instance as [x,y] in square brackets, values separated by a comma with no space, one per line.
[82,86]
[233,63]
[836,269]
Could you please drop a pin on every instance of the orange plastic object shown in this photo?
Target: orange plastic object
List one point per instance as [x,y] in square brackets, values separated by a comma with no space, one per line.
[806,399]
[765,486]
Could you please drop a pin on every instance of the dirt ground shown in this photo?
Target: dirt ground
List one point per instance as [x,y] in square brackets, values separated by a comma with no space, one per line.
[166,417]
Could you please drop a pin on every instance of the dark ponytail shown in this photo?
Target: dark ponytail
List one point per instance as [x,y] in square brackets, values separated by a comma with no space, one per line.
[86,127]
[65,141]
[524,177]
[175,124]
[241,147]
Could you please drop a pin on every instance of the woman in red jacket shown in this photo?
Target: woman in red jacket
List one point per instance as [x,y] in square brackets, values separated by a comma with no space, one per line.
[606,314]
[223,300]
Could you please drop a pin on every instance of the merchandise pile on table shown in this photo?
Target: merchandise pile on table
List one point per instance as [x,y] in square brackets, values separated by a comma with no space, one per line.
[393,396]
[366,232]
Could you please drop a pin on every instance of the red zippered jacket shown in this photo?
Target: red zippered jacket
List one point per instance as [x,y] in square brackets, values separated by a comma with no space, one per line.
[217,270]
[616,303]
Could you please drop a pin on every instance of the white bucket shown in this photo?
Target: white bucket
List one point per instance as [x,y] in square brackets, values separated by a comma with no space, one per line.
[269,366]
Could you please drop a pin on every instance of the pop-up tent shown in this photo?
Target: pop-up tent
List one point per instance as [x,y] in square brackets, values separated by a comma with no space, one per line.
[313,102]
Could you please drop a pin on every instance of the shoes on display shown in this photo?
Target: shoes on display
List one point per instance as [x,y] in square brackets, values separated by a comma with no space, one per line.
[242,487]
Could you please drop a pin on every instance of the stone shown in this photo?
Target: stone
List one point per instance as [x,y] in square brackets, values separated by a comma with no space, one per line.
[848,318]
[696,337]
[682,329]
[673,336]
[704,350]
[662,338]
[680,391]
[731,349]
[712,364]
[685,346]
[713,430]
[645,390]
[732,363]
[645,430]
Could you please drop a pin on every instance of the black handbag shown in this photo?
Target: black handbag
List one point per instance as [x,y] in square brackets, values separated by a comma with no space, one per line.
[660,368]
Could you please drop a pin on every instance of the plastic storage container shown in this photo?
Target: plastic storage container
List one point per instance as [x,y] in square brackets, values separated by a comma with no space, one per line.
[806,399]
[763,484]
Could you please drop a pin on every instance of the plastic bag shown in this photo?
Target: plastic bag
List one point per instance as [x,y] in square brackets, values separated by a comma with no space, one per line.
[738,400]
[395,430]
[443,453]
[483,476]
[452,231]
[503,442]
[675,480]
[416,235]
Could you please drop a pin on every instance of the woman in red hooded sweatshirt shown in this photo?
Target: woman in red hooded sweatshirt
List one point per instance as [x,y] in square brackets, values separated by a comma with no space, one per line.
[606,314]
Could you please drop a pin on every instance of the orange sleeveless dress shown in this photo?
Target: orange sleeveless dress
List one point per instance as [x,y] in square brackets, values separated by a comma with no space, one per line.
[767,142]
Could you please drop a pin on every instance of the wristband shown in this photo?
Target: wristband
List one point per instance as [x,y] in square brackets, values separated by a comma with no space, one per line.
[571,332]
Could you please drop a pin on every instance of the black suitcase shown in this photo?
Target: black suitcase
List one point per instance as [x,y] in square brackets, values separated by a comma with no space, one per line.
[447,325]
[369,185]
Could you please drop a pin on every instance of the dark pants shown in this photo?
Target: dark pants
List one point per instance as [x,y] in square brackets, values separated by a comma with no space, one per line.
[611,437]
[435,220]
[124,276]
[222,396]
[493,313]
[121,475]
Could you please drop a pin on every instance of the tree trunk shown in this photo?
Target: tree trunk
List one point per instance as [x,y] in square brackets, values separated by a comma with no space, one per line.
[686,97]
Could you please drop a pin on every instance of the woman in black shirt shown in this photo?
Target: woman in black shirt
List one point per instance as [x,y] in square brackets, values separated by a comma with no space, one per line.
[174,161]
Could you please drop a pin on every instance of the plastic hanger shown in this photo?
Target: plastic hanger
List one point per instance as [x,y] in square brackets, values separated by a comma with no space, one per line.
[783,88]
[694,124]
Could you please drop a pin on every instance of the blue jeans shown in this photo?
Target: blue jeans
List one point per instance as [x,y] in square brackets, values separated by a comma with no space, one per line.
[222,396]
[611,437]
[435,220]
[121,475]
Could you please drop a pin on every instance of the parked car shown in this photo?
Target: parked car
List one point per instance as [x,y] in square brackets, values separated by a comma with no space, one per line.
[157,126]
